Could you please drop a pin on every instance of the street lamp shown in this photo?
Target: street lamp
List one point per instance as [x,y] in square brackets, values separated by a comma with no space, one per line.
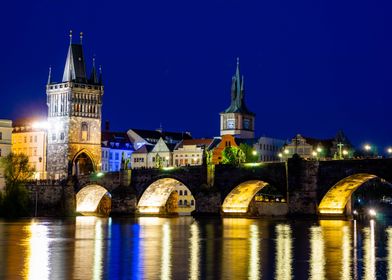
[389,151]
[314,154]
[367,148]
[254,152]
[280,155]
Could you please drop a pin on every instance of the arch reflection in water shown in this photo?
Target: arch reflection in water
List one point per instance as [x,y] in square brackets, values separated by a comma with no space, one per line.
[38,252]
[317,257]
[89,246]
[237,201]
[195,252]
[369,252]
[254,260]
[283,252]
[88,198]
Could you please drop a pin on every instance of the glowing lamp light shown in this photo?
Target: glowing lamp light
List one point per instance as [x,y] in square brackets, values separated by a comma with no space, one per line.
[168,168]
[345,152]
[314,153]
[355,212]
[372,212]
[280,155]
[40,125]
[286,151]
[100,174]
[389,150]
[252,164]
[367,147]
[254,152]
[319,149]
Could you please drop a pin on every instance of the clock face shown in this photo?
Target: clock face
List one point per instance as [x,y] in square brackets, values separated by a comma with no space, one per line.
[230,123]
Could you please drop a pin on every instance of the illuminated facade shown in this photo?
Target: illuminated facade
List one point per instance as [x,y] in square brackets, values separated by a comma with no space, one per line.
[190,152]
[268,148]
[74,118]
[237,119]
[30,139]
[225,141]
[5,144]
[116,151]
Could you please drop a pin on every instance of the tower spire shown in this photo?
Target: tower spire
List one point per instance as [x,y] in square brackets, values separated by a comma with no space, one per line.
[93,76]
[81,37]
[50,75]
[70,37]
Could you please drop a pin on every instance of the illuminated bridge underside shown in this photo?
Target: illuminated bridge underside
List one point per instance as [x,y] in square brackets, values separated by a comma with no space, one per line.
[88,198]
[335,201]
[155,196]
[237,201]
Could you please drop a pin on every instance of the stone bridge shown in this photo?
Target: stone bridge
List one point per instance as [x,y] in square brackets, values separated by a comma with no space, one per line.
[307,187]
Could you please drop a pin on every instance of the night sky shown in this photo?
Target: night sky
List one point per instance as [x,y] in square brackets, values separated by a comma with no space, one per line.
[310,67]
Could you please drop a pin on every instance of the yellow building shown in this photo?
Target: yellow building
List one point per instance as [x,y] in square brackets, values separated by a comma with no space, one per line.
[30,138]
[5,144]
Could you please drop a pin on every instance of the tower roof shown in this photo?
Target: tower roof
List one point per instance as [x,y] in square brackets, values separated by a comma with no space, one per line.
[237,94]
[75,68]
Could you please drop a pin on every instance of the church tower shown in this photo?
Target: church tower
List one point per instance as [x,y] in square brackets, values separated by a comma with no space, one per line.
[237,120]
[74,117]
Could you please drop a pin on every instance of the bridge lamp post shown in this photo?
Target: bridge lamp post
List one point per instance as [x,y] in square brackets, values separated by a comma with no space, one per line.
[345,153]
[314,154]
[389,151]
[368,149]
[280,155]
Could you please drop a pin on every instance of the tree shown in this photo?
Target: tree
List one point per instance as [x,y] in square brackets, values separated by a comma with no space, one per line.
[16,172]
[233,155]
[249,153]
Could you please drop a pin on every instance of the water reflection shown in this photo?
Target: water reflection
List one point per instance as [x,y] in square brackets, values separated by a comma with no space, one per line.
[283,256]
[38,252]
[317,257]
[194,242]
[369,252]
[178,248]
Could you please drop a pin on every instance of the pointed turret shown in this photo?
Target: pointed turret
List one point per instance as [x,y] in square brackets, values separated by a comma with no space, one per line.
[93,76]
[237,93]
[50,76]
[75,69]
[100,75]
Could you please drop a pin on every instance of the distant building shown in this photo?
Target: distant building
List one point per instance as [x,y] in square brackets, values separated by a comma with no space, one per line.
[191,152]
[338,147]
[116,151]
[29,137]
[237,120]
[225,141]
[140,137]
[139,157]
[268,149]
[186,201]
[161,155]
[74,117]
[5,144]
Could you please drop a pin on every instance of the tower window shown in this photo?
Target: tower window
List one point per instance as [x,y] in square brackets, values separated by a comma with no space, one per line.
[84,132]
[1,135]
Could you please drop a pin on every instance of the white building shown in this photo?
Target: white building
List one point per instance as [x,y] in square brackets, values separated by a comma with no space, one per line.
[186,201]
[268,149]
[190,152]
[5,144]
[116,151]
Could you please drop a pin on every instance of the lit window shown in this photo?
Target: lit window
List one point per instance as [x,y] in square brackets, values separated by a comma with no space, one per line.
[185,192]
[84,130]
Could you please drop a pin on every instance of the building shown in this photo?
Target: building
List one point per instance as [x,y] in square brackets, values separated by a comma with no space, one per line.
[5,145]
[338,147]
[237,120]
[74,117]
[191,151]
[29,137]
[116,151]
[268,149]
[186,201]
[140,137]
[225,141]
[154,148]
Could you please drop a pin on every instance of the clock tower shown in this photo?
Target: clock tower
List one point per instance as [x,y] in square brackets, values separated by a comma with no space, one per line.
[237,120]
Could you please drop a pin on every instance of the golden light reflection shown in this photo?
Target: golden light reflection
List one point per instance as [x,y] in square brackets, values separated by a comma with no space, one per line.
[166,252]
[155,196]
[369,254]
[254,260]
[283,255]
[389,248]
[195,252]
[346,254]
[38,254]
[88,198]
[334,202]
[88,257]
[237,201]
[317,257]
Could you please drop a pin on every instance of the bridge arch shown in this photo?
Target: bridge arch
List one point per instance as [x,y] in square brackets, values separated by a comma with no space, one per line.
[335,200]
[155,197]
[238,200]
[93,198]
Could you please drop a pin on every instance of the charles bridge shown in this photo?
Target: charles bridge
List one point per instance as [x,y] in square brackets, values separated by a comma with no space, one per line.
[305,188]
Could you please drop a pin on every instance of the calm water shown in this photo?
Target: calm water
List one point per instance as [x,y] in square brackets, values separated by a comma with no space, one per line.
[185,248]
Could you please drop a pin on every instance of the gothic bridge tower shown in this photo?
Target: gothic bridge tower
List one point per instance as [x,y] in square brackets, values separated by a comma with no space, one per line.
[74,117]
[237,120]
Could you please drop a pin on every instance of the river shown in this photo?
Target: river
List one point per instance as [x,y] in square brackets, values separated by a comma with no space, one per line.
[188,248]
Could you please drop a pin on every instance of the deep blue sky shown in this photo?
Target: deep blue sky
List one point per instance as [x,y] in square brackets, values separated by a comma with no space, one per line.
[310,67]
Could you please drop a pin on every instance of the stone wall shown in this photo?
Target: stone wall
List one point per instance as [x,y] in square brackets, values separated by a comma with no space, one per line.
[257,209]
